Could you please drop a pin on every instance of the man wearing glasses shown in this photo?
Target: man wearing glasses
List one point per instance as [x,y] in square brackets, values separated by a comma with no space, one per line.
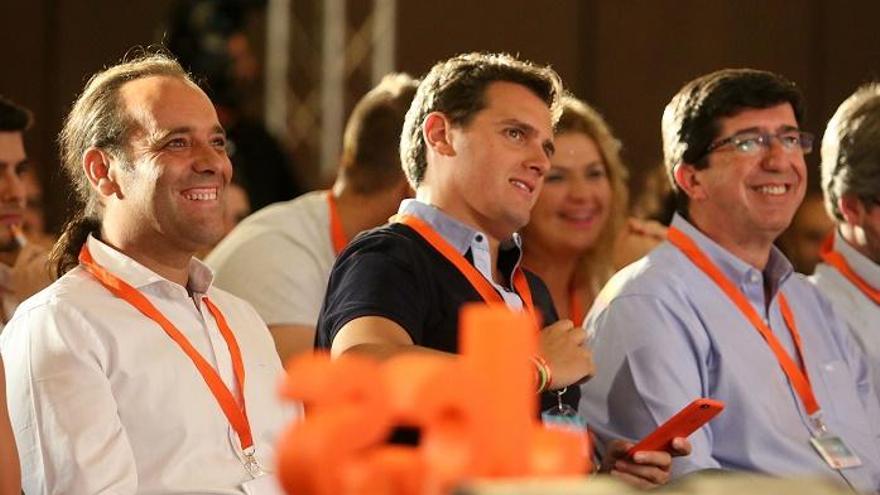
[849,274]
[716,311]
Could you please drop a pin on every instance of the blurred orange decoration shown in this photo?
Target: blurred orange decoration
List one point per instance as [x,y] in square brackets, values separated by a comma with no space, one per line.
[477,414]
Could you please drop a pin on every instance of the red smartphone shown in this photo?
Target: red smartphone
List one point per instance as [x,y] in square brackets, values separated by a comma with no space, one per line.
[685,422]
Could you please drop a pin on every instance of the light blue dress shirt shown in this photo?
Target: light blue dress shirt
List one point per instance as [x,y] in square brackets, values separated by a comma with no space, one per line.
[861,314]
[663,334]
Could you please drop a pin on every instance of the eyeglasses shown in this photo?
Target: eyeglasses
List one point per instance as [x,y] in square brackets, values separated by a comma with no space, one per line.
[752,143]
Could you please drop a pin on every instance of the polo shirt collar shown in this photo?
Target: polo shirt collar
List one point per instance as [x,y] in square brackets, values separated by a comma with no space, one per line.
[464,238]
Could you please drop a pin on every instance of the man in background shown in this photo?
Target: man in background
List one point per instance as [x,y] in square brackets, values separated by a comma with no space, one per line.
[849,274]
[23,268]
[279,259]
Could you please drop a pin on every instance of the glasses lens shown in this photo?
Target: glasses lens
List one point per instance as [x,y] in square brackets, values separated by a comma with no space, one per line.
[749,143]
[806,142]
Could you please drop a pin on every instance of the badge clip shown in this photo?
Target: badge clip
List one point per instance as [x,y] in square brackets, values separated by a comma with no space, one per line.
[251,464]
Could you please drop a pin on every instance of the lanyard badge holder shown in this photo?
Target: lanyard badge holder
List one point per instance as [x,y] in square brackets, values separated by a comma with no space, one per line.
[831,448]
[251,464]
[236,413]
[561,416]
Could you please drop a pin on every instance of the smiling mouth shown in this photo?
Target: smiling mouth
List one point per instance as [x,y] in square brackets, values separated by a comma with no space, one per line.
[578,217]
[201,194]
[522,185]
[772,190]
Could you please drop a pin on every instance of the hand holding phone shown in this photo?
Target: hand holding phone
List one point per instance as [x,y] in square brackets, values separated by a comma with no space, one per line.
[682,424]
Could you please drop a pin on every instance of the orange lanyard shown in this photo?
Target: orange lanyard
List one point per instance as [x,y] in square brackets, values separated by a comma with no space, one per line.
[477,280]
[337,233]
[236,415]
[797,375]
[835,259]
[575,307]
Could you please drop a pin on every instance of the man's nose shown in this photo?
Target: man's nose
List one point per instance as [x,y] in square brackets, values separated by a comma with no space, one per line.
[12,189]
[538,160]
[208,158]
[776,155]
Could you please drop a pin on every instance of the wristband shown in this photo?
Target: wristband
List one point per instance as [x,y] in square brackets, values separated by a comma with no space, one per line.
[543,373]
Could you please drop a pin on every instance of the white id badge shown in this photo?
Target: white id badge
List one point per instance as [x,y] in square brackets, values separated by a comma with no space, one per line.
[264,485]
[835,452]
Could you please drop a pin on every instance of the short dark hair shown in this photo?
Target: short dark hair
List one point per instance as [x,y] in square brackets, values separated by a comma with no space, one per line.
[691,119]
[13,118]
[851,150]
[370,149]
[456,88]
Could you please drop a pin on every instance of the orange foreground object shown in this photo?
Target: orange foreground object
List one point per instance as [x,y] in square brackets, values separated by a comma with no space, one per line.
[477,413]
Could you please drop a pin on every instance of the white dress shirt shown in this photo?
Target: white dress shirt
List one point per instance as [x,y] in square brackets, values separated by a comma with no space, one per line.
[279,260]
[103,401]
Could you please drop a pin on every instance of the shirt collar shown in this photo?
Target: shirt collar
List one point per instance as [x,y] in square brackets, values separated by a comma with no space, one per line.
[138,276]
[463,237]
[776,272]
[861,264]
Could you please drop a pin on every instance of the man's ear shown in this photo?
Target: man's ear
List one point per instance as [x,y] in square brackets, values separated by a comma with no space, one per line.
[98,169]
[437,135]
[687,177]
[852,209]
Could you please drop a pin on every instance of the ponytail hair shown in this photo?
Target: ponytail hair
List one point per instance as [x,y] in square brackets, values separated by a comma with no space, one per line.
[65,253]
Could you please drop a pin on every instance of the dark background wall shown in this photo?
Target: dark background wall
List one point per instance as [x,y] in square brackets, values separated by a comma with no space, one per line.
[626,57]
[48,49]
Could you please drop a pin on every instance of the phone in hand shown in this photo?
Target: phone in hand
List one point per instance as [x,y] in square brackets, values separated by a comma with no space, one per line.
[685,422]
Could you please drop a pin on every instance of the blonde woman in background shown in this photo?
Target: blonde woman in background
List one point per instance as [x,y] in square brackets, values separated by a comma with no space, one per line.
[580,219]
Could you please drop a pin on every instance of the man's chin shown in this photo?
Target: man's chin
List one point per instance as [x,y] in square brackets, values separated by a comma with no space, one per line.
[205,240]
[520,222]
[776,227]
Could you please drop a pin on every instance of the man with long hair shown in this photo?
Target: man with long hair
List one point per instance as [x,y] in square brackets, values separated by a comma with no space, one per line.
[132,373]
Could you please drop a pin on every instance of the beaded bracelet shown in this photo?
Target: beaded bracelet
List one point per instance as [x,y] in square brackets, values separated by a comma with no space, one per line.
[543,373]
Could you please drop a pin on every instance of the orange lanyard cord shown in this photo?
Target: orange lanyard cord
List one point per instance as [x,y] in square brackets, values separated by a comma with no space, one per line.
[476,279]
[797,375]
[835,259]
[337,233]
[237,416]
